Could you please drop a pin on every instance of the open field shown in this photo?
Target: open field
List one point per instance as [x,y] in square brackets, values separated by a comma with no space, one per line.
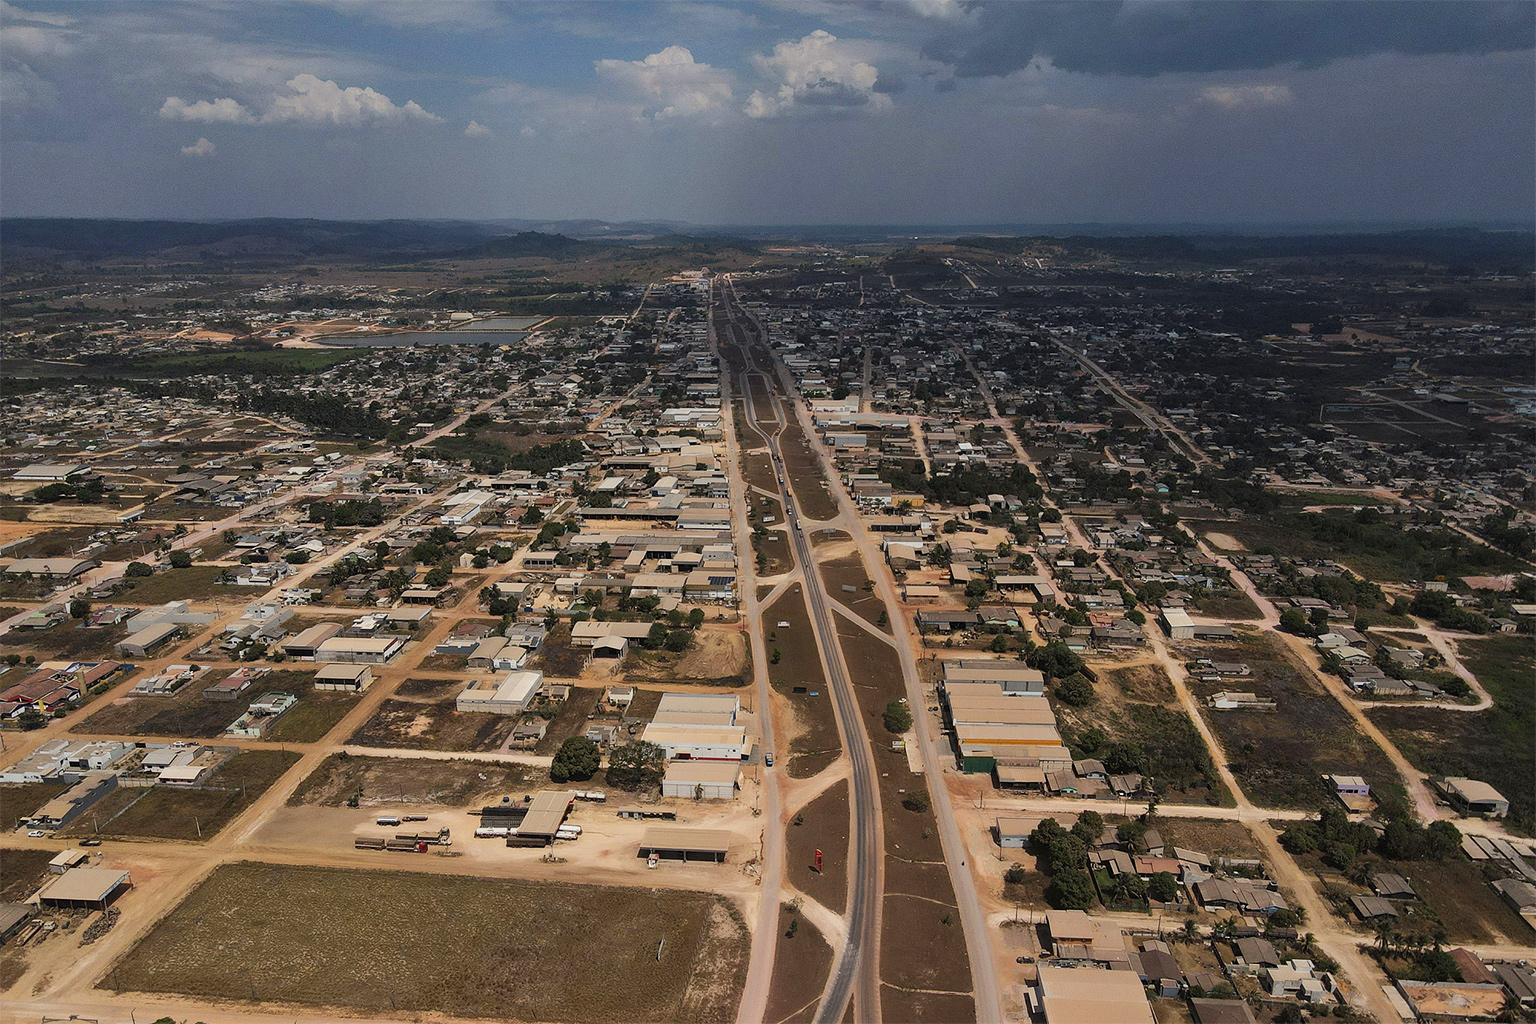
[571,719]
[1280,757]
[1493,745]
[718,657]
[309,720]
[68,641]
[801,963]
[196,583]
[816,742]
[821,825]
[839,574]
[919,1007]
[335,937]
[21,800]
[805,474]
[1136,713]
[187,714]
[1227,604]
[192,814]
[415,781]
[923,944]
[432,723]
[1218,837]
[21,872]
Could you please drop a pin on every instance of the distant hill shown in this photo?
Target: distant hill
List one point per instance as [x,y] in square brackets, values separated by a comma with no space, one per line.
[1453,247]
[529,243]
[95,239]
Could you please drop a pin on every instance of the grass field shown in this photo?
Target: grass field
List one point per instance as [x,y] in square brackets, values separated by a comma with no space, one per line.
[1136,705]
[1493,745]
[68,641]
[389,780]
[801,963]
[313,717]
[816,741]
[188,714]
[21,800]
[463,946]
[1280,757]
[196,583]
[821,825]
[838,574]
[163,812]
[21,872]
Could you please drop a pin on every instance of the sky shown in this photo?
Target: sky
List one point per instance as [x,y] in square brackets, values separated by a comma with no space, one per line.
[773,112]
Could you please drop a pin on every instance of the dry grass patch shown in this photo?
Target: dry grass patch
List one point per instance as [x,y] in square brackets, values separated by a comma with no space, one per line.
[469,947]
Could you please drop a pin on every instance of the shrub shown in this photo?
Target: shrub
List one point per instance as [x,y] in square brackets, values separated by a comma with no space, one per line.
[898,717]
[180,560]
[917,801]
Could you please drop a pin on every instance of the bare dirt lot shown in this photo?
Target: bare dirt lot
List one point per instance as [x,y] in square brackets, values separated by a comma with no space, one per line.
[801,963]
[821,825]
[847,571]
[377,781]
[404,941]
[719,657]
[428,721]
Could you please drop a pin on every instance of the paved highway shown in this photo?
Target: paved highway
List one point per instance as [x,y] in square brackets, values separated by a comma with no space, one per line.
[857,972]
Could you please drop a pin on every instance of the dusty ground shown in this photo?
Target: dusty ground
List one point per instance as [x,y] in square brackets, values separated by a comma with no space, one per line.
[801,964]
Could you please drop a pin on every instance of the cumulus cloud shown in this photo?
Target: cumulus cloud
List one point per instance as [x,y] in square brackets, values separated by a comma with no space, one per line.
[310,100]
[201,148]
[670,83]
[476,130]
[1231,97]
[317,101]
[819,72]
[221,110]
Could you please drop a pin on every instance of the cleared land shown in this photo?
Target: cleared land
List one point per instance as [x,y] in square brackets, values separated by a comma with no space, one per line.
[839,574]
[1493,745]
[801,962]
[821,825]
[476,947]
[197,583]
[1281,756]
[21,800]
[188,714]
[429,721]
[816,743]
[163,812]
[377,781]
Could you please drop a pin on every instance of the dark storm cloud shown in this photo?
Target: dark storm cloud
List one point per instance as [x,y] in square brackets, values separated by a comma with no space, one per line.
[1151,38]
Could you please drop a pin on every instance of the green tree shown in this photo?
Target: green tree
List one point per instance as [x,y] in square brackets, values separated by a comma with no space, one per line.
[1163,887]
[577,758]
[1293,621]
[138,569]
[1088,827]
[696,618]
[678,640]
[79,608]
[1075,690]
[634,765]
[1070,889]
[917,801]
[180,560]
[897,716]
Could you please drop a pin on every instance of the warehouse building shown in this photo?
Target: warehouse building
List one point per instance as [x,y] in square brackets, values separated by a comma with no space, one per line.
[51,568]
[84,889]
[672,842]
[361,650]
[344,678]
[304,645]
[509,696]
[148,640]
[1177,623]
[698,743]
[702,780]
[1091,995]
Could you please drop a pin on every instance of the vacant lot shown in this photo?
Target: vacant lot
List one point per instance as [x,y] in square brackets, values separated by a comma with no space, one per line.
[430,722]
[923,944]
[21,800]
[1493,745]
[68,641]
[1135,717]
[402,941]
[188,714]
[313,717]
[164,812]
[197,583]
[801,962]
[1280,757]
[805,474]
[21,872]
[816,742]
[1214,836]
[571,719]
[921,1007]
[386,780]
[845,579]
[821,825]
[719,657]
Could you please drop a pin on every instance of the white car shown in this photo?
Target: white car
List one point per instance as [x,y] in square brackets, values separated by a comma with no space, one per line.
[37,833]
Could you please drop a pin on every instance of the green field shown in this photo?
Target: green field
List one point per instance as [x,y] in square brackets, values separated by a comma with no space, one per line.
[470,947]
[1493,745]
